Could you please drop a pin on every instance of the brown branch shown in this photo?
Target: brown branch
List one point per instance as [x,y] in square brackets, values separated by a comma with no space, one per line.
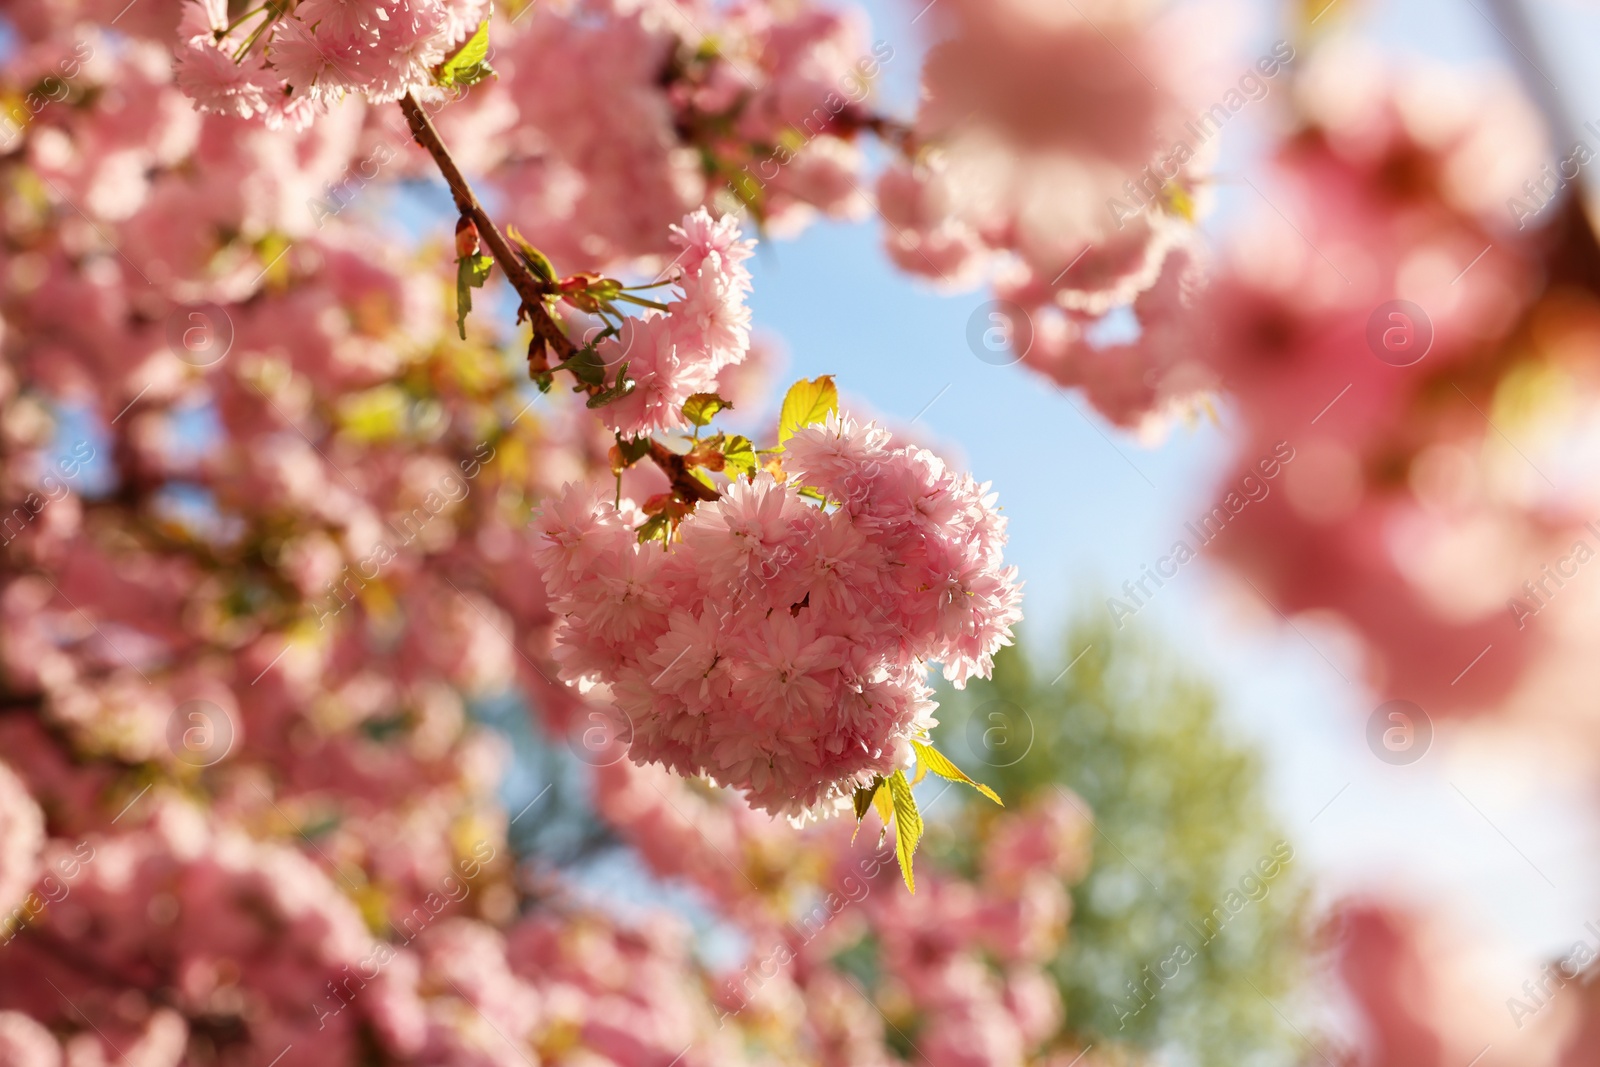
[891,131]
[521,278]
[531,289]
[677,471]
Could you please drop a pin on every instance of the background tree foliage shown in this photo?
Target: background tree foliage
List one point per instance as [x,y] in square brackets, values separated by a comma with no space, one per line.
[1180,820]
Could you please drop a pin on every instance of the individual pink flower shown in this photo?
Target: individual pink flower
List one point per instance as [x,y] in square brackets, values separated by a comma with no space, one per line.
[218,83]
[664,375]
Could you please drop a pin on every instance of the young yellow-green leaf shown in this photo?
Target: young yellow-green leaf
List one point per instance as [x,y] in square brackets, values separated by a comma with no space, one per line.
[535,260]
[806,403]
[377,414]
[619,389]
[467,66]
[656,527]
[701,408]
[863,799]
[907,825]
[939,763]
[881,801]
[471,273]
[863,802]
[632,449]
[738,455]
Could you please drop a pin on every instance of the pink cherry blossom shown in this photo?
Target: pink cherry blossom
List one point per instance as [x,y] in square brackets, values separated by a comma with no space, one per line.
[732,652]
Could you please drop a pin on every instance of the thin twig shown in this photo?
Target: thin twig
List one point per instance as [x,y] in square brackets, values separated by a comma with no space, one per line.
[531,289]
[522,280]
[677,471]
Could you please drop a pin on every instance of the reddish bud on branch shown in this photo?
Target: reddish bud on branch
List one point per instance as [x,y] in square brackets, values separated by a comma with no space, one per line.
[466,238]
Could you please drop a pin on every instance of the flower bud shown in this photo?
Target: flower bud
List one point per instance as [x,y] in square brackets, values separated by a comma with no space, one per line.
[466,238]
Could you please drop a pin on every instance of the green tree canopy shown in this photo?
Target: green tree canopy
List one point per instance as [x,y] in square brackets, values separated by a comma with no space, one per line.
[1187,935]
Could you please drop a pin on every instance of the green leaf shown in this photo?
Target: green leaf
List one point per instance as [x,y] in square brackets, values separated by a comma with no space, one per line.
[534,259]
[377,414]
[738,455]
[863,801]
[881,801]
[633,449]
[749,190]
[883,806]
[656,528]
[619,389]
[471,273]
[701,408]
[907,825]
[468,66]
[940,764]
[813,493]
[585,366]
[806,403]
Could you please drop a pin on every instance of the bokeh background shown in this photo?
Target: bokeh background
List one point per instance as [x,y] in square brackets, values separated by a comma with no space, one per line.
[1154,762]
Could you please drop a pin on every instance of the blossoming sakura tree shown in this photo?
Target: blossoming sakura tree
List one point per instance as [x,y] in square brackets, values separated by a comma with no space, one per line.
[283,503]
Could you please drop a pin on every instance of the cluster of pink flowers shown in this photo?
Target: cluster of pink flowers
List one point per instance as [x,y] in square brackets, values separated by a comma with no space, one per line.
[1060,154]
[779,646]
[1395,516]
[676,353]
[1036,119]
[210,941]
[962,967]
[621,116]
[611,119]
[288,68]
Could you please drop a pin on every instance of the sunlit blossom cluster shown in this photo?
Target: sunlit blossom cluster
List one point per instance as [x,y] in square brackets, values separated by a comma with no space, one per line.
[1013,164]
[778,646]
[673,354]
[289,69]
[967,958]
